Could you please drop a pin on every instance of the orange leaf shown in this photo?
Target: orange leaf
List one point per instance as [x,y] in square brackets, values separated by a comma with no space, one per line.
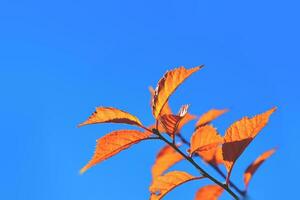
[164,184]
[213,156]
[205,138]
[255,165]
[171,122]
[209,116]
[166,158]
[166,108]
[114,142]
[209,192]
[167,85]
[111,115]
[239,135]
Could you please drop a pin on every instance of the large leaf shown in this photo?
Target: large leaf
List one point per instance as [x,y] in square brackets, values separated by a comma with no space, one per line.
[209,192]
[111,115]
[205,138]
[164,184]
[165,109]
[239,135]
[166,158]
[209,116]
[255,165]
[114,142]
[167,85]
[212,156]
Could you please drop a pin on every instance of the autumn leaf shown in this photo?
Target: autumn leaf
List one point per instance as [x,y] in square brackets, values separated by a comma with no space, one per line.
[255,165]
[167,85]
[164,184]
[239,135]
[171,122]
[209,192]
[205,138]
[111,115]
[165,109]
[209,116]
[166,158]
[114,142]
[212,156]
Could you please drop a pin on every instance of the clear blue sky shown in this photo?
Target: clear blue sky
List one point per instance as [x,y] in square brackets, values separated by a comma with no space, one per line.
[61,59]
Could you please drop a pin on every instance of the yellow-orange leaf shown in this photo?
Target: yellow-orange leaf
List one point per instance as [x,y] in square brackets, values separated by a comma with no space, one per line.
[167,85]
[114,142]
[255,165]
[209,192]
[171,122]
[239,135]
[164,184]
[111,115]
[205,138]
[166,158]
[213,156]
[209,116]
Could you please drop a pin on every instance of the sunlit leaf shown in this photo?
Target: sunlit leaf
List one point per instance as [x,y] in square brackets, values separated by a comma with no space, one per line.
[167,85]
[213,156]
[165,109]
[166,158]
[239,135]
[161,185]
[111,115]
[209,192]
[205,138]
[114,142]
[209,116]
[255,165]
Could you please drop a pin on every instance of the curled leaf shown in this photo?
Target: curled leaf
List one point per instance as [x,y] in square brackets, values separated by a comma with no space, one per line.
[111,115]
[205,138]
[164,184]
[255,165]
[209,116]
[209,192]
[114,142]
[171,122]
[239,135]
[166,158]
[167,85]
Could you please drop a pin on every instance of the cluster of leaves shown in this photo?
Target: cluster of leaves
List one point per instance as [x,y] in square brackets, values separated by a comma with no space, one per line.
[205,142]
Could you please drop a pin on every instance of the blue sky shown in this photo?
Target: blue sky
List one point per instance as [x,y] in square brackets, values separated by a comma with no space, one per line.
[61,59]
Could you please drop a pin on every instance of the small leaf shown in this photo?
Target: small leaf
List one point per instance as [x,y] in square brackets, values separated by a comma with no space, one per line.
[209,116]
[205,138]
[164,184]
[209,192]
[114,142]
[239,135]
[111,115]
[255,165]
[171,122]
[167,85]
[166,158]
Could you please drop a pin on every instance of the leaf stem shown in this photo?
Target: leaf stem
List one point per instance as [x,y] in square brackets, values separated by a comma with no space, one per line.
[191,160]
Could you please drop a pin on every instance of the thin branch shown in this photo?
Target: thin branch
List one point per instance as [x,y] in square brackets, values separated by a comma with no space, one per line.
[242,193]
[191,160]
